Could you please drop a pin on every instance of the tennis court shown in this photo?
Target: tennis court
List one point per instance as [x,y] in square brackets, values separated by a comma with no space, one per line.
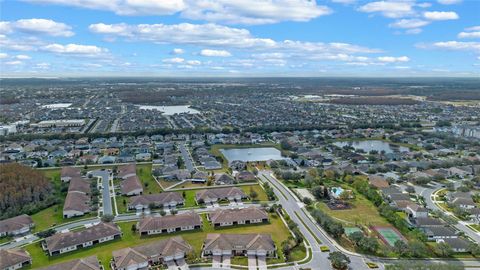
[350,230]
[389,235]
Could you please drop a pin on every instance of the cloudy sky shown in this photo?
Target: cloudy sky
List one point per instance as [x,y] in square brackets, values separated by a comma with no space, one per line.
[239,38]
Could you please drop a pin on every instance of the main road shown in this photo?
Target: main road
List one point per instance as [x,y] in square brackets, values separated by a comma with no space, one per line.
[294,207]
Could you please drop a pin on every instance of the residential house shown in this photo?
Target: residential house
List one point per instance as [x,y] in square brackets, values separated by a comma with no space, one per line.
[88,263]
[245,176]
[212,195]
[60,243]
[68,173]
[416,211]
[230,217]
[131,186]
[462,199]
[442,232]
[239,245]
[378,181]
[457,244]
[168,224]
[16,225]
[159,252]
[224,179]
[12,259]
[126,171]
[164,199]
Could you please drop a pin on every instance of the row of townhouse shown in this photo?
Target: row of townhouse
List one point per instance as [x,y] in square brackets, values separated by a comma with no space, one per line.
[16,225]
[77,201]
[191,220]
[130,184]
[60,243]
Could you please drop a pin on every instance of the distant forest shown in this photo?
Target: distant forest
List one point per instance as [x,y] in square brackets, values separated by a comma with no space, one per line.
[23,190]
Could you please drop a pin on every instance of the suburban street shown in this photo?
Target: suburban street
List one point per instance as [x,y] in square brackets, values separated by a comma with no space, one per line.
[106,198]
[427,192]
[187,158]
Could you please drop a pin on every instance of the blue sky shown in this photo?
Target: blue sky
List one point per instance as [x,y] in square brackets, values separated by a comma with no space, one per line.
[239,38]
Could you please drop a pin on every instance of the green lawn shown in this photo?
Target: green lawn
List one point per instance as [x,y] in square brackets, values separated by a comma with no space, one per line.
[53,215]
[363,212]
[150,186]
[195,238]
[122,208]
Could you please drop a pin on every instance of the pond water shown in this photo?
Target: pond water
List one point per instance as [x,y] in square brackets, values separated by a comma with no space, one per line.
[370,145]
[170,110]
[252,154]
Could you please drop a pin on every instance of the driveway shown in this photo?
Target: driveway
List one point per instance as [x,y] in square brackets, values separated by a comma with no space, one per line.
[262,262]
[226,261]
[216,259]
[182,264]
[252,262]
[186,158]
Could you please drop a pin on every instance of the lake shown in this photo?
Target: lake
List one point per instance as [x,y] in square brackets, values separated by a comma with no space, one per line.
[170,110]
[370,145]
[252,154]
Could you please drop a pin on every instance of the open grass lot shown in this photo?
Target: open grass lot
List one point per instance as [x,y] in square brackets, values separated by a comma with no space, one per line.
[276,228]
[165,184]
[121,207]
[150,186]
[363,212]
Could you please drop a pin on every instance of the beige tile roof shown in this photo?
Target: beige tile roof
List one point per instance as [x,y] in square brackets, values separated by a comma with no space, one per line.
[219,193]
[231,215]
[130,184]
[62,240]
[171,221]
[159,249]
[15,223]
[10,257]
[160,198]
[88,263]
[239,242]
[70,172]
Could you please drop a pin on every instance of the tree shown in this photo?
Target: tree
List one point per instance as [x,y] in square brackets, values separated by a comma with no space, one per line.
[253,195]
[369,244]
[307,200]
[338,260]
[107,218]
[418,249]
[474,249]
[162,213]
[173,211]
[318,192]
[401,248]
[356,237]
[443,249]
[410,189]
[134,227]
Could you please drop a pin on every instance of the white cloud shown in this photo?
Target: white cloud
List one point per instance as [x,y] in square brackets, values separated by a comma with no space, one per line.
[215,53]
[13,63]
[346,2]
[390,9]
[37,26]
[23,57]
[193,62]
[177,51]
[254,11]
[218,36]
[391,59]
[469,34]
[409,23]
[226,11]
[42,65]
[449,2]
[3,55]
[175,60]
[75,49]
[124,7]
[440,15]
[452,45]
[473,28]
[413,31]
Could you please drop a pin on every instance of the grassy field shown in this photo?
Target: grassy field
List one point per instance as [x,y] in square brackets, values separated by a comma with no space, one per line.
[195,238]
[150,186]
[52,216]
[363,212]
